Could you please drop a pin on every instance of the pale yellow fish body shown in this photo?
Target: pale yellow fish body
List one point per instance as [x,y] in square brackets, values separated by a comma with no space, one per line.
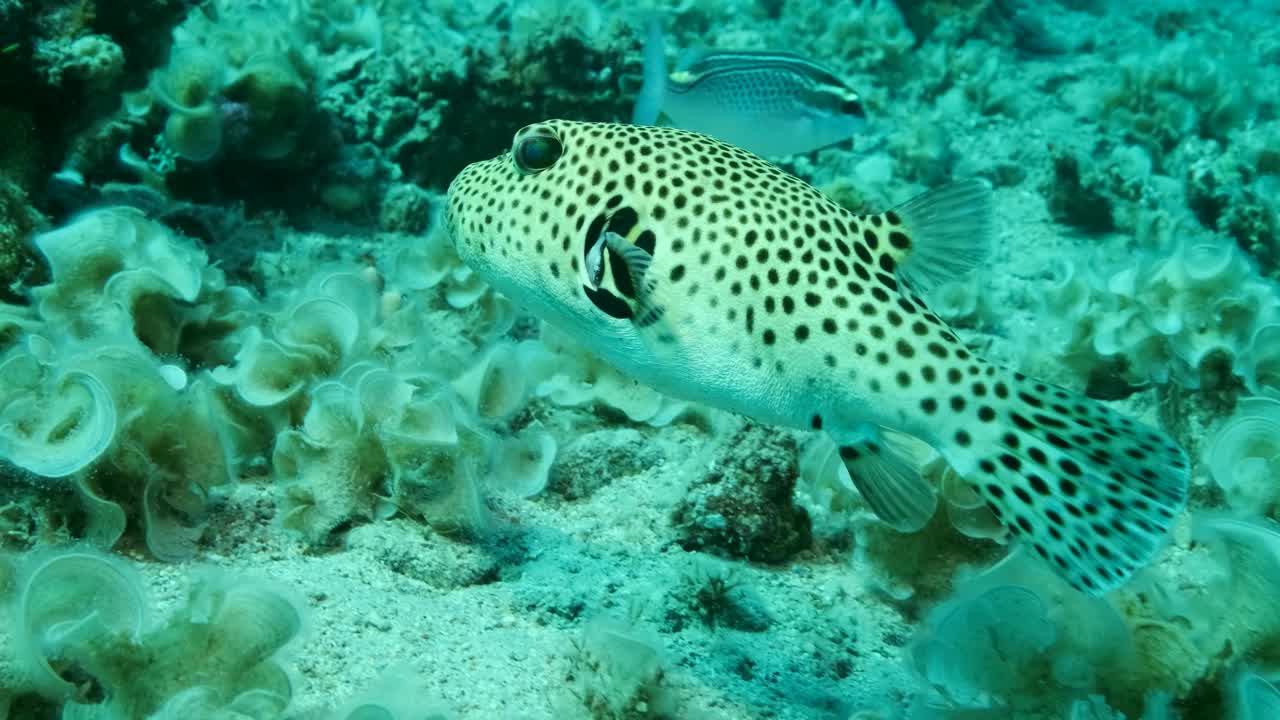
[742,287]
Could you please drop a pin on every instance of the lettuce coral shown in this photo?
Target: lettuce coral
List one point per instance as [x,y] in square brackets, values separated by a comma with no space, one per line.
[350,458]
[1195,85]
[385,428]
[1255,698]
[86,641]
[1014,639]
[324,386]
[56,421]
[111,269]
[577,377]
[903,566]
[167,459]
[1244,457]
[68,601]
[430,265]
[1231,187]
[1197,623]
[132,433]
[1015,642]
[238,80]
[1190,316]
[320,329]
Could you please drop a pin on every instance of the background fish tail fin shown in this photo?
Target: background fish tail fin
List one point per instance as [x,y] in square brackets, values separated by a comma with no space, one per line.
[649,102]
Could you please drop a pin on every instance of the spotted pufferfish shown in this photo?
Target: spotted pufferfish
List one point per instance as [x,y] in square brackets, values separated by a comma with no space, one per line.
[703,271]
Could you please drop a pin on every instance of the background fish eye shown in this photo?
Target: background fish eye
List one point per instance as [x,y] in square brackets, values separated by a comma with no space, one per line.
[537,152]
[852,107]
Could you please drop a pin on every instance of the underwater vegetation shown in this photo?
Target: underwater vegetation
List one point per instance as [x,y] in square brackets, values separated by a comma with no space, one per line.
[276,442]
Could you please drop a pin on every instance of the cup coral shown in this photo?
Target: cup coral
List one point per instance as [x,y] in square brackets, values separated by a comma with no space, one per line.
[84,638]
[237,80]
[1244,457]
[1163,318]
[55,421]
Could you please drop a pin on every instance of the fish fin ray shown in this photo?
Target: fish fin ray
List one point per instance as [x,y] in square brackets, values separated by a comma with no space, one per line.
[950,230]
[635,259]
[636,263]
[889,481]
[653,91]
[1093,492]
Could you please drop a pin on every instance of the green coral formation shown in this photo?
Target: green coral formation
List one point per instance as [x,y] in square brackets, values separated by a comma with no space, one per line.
[243,338]
[1012,638]
[742,507]
[18,221]
[238,75]
[143,387]
[1233,190]
[1159,103]
[1195,315]
[84,638]
[131,343]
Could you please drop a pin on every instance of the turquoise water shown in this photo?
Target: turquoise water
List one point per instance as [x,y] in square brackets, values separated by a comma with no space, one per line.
[275,446]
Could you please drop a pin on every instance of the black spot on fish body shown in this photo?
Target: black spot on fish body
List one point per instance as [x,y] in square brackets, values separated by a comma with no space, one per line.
[608,303]
[623,220]
[647,242]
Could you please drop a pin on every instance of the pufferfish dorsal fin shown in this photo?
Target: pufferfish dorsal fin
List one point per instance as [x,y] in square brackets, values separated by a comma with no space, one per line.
[938,236]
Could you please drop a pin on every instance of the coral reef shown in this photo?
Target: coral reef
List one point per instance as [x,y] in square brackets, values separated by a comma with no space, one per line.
[1158,102]
[236,342]
[742,508]
[18,220]
[132,344]
[83,638]
[1231,190]
[1241,456]
[1012,639]
[1196,314]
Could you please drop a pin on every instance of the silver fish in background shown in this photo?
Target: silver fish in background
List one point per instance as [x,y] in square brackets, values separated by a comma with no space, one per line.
[770,103]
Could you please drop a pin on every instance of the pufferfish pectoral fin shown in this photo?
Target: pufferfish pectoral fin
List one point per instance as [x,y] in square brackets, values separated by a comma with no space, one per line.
[630,265]
[888,479]
[947,233]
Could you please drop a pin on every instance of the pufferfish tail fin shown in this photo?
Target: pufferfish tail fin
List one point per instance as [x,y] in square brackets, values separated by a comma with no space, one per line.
[1091,491]
[938,236]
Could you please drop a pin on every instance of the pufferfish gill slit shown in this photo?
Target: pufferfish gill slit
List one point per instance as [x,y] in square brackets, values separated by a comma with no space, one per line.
[702,270]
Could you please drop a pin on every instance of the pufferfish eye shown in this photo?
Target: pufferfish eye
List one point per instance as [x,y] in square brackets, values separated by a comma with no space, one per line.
[535,149]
